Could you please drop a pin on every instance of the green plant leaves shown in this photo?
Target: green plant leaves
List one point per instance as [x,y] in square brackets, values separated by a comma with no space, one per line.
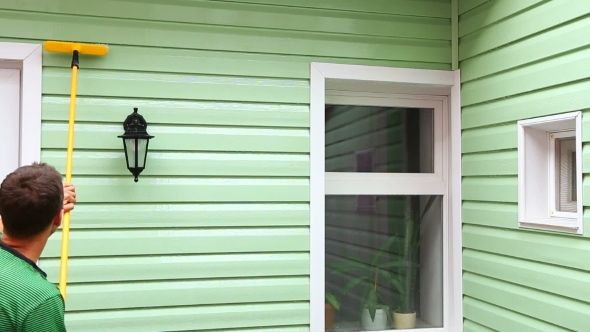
[353,283]
[330,298]
[372,303]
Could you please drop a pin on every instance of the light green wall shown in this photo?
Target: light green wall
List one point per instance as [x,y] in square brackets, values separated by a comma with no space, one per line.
[215,234]
[519,59]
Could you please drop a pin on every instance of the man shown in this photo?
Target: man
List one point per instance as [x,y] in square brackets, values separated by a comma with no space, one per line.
[32,202]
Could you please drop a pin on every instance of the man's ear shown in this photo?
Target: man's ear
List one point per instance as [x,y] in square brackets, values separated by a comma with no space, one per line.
[58,218]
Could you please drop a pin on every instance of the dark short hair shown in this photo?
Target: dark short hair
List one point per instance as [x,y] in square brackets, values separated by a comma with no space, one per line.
[30,198]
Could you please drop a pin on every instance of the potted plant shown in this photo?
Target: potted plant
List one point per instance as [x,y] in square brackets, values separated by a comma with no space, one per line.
[332,304]
[374,313]
[407,275]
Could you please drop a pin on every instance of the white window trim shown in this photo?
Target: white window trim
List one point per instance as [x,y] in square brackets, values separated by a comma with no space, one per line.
[411,83]
[373,206]
[29,59]
[535,204]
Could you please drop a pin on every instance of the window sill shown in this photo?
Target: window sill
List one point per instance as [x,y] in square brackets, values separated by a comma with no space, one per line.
[565,225]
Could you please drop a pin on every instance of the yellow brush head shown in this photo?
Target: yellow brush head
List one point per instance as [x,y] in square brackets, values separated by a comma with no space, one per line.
[67,47]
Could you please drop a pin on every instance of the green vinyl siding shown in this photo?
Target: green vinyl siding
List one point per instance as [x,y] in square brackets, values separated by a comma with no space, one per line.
[518,60]
[215,235]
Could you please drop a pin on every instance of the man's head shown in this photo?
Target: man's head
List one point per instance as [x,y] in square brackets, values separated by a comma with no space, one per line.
[31,201]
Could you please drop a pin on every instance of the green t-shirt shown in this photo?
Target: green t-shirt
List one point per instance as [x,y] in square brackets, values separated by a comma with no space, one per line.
[28,301]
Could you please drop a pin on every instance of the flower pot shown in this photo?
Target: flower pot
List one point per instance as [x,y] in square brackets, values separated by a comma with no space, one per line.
[404,321]
[378,324]
[330,312]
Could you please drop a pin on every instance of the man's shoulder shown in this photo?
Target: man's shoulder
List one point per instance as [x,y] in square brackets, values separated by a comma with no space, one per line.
[20,273]
[23,289]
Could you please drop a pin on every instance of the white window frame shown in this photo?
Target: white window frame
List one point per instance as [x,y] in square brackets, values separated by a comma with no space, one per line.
[359,207]
[407,84]
[536,173]
[29,59]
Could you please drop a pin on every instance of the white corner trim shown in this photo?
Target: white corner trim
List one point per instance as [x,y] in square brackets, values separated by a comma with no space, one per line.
[419,79]
[455,231]
[30,58]
[317,198]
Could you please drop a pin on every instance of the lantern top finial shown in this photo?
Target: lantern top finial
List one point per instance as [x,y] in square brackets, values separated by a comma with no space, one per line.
[135,126]
[135,123]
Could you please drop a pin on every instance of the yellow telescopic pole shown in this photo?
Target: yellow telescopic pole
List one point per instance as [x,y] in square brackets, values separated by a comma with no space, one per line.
[75,49]
[65,239]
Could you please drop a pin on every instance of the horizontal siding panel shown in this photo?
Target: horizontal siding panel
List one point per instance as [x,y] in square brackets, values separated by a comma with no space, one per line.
[560,40]
[566,313]
[490,13]
[571,97]
[586,190]
[558,71]
[494,163]
[157,34]
[542,247]
[500,137]
[179,242]
[181,138]
[573,284]
[467,5]
[204,62]
[187,293]
[550,14]
[177,86]
[430,8]
[252,16]
[585,156]
[491,214]
[210,62]
[501,319]
[178,112]
[196,318]
[470,326]
[97,163]
[218,190]
[173,267]
[155,215]
[491,189]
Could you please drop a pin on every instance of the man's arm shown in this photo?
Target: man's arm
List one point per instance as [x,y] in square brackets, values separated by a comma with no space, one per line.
[47,317]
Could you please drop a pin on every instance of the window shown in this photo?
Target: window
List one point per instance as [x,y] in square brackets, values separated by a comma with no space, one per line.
[384,233]
[410,121]
[550,175]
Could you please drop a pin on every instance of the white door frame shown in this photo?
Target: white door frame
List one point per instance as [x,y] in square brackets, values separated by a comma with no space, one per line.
[421,84]
[29,59]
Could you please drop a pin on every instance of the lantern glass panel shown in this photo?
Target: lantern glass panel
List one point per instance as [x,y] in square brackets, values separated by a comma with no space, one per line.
[132,145]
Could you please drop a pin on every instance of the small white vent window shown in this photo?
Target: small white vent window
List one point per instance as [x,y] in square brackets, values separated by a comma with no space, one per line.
[549,173]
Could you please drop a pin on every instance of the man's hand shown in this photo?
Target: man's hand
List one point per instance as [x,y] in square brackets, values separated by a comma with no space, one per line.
[69,197]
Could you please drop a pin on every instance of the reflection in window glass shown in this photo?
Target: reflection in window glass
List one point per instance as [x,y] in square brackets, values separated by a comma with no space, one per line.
[379,139]
[384,268]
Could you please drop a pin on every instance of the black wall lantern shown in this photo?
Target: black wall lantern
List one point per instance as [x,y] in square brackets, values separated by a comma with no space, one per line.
[135,142]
